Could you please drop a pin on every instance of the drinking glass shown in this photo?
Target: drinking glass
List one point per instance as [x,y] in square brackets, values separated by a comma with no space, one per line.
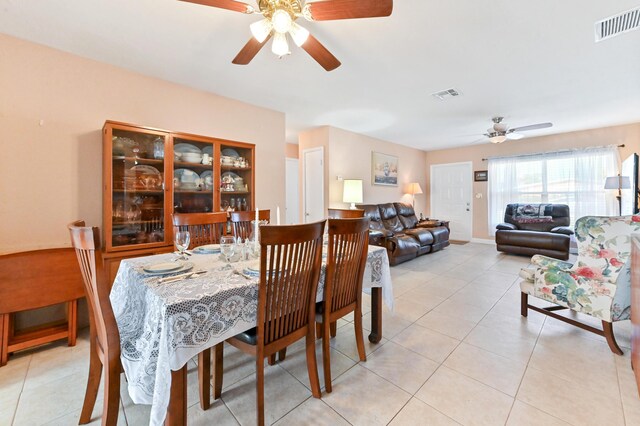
[227,248]
[182,240]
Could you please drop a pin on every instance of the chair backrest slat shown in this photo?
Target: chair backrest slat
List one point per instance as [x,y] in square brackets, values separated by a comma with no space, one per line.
[290,262]
[346,261]
[241,222]
[204,228]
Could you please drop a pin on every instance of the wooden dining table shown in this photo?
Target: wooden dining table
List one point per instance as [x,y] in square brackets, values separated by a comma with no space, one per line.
[163,325]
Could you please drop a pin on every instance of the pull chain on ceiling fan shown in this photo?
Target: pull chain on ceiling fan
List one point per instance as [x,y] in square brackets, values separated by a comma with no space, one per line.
[280,19]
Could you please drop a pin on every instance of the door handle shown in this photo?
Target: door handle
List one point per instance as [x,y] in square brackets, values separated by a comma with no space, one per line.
[307,214]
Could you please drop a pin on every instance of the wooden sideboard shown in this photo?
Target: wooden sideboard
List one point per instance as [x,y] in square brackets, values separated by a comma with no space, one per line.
[635,307]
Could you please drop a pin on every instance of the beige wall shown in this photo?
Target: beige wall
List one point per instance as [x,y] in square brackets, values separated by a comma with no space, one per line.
[52,108]
[348,155]
[291,150]
[629,135]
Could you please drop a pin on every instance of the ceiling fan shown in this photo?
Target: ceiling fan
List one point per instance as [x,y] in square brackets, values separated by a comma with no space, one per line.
[500,131]
[280,19]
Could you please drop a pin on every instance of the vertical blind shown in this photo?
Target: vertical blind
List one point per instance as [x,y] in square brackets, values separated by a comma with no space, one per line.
[575,178]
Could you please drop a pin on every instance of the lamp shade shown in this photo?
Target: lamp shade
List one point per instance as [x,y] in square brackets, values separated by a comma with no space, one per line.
[617,182]
[414,188]
[352,191]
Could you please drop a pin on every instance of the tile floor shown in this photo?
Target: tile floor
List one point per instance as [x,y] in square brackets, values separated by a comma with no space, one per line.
[455,351]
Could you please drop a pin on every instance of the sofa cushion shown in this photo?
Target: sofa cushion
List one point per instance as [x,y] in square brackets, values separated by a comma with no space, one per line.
[406,215]
[389,217]
[559,214]
[375,222]
[440,234]
[423,236]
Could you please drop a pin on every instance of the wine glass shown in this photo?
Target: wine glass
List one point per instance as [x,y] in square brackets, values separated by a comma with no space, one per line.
[182,240]
[227,248]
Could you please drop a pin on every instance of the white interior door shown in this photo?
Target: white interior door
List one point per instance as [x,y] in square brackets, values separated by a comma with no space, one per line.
[451,189]
[292,213]
[313,184]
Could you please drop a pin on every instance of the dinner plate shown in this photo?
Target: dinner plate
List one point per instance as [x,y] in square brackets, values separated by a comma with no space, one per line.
[230,153]
[181,267]
[252,269]
[162,267]
[208,150]
[186,147]
[207,178]
[208,249]
[186,176]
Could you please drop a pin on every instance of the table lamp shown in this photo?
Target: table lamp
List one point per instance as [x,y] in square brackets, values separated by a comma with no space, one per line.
[352,192]
[413,189]
[619,183]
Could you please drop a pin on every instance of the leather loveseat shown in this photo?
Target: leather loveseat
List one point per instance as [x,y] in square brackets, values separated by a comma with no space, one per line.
[396,227]
[530,229]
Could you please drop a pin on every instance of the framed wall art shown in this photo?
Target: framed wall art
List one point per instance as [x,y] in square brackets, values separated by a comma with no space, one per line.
[384,169]
[481,176]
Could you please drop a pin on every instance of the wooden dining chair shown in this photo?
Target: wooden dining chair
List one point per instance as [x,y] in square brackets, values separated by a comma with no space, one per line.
[346,261]
[345,213]
[104,337]
[241,222]
[103,330]
[204,228]
[290,263]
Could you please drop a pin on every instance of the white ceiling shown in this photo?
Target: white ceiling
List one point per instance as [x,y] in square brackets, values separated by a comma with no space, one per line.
[532,61]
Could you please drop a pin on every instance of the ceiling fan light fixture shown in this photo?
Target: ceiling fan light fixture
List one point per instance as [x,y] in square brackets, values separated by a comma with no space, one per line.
[496,138]
[261,29]
[299,34]
[282,21]
[280,45]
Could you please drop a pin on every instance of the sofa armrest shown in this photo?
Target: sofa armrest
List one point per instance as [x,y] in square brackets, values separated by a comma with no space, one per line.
[562,230]
[506,227]
[546,262]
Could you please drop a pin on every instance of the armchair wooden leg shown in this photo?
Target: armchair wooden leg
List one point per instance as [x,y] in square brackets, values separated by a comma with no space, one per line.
[607,329]
[524,303]
[272,359]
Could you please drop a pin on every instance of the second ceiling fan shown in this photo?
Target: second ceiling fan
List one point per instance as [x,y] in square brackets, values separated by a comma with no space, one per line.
[279,19]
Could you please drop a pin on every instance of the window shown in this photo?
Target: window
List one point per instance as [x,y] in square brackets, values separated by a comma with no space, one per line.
[575,178]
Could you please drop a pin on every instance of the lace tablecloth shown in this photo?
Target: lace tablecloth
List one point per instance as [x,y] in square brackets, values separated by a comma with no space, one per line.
[162,326]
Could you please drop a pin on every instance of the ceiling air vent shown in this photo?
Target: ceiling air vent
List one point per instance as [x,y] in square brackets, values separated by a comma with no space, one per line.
[618,24]
[446,94]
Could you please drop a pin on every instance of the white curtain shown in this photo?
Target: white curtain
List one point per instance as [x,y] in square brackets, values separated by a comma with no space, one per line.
[575,178]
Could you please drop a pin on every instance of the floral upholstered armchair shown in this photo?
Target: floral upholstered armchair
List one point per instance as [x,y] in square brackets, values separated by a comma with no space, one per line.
[597,284]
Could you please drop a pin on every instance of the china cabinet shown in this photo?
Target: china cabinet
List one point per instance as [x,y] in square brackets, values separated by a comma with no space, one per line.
[148,174]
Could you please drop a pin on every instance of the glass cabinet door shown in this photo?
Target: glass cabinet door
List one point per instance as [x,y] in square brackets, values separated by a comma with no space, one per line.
[138,182]
[236,182]
[193,178]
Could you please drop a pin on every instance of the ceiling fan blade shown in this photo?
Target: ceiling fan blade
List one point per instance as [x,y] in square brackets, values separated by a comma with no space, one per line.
[236,6]
[249,51]
[531,127]
[320,53]
[349,9]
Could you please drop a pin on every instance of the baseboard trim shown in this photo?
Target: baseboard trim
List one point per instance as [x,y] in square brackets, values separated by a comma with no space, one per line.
[483,241]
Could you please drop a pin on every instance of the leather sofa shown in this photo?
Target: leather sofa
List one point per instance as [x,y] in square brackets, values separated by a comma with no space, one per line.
[396,227]
[547,235]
